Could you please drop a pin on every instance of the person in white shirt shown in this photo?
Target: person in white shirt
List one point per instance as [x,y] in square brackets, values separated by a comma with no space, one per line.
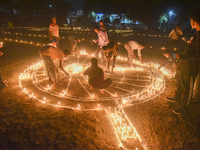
[130,47]
[174,37]
[102,41]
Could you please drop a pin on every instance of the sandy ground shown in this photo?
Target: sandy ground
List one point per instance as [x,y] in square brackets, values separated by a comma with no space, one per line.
[27,124]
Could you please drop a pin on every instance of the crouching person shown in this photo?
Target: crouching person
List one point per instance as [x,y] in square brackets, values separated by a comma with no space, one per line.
[96,76]
[50,53]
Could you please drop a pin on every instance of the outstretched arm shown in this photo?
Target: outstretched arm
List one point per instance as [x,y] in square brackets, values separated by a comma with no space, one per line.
[61,67]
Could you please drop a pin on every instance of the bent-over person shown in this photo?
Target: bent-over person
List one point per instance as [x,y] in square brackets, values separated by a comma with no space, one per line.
[50,53]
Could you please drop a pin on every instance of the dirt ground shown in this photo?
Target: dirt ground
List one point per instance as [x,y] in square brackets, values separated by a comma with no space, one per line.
[27,124]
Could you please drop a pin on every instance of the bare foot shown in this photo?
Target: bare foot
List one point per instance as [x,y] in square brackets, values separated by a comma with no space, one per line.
[101,91]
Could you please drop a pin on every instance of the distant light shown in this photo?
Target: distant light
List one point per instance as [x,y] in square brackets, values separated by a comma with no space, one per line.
[171,13]
[50,6]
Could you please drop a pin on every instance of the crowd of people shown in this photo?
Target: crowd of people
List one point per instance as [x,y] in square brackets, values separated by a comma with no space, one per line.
[187,62]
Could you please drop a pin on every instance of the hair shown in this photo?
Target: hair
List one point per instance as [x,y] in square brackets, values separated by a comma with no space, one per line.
[101,21]
[53,17]
[196,17]
[67,52]
[94,61]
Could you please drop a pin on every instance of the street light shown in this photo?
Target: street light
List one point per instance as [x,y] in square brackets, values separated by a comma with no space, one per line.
[170,14]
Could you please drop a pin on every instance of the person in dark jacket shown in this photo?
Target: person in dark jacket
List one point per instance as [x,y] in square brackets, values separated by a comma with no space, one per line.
[188,67]
[96,76]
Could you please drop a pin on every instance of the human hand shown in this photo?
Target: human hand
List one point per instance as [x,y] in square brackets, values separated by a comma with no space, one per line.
[166,55]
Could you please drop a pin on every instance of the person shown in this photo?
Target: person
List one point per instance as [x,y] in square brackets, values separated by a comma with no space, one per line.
[110,51]
[54,31]
[102,41]
[102,27]
[73,41]
[54,43]
[2,85]
[188,68]
[96,76]
[174,37]
[50,53]
[130,47]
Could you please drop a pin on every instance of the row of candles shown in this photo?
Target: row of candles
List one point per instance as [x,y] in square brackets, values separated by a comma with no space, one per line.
[124,128]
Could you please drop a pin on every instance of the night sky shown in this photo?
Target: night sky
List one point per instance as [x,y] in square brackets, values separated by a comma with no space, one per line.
[75,3]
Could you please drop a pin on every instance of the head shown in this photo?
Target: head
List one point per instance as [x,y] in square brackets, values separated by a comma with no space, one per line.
[94,62]
[195,20]
[96,29]
[143,45]
[177,27]
[54,19]
[66,52]
[101,22]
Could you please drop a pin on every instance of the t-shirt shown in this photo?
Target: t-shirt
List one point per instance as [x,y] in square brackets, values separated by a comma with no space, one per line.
[96,76]
[52,52]
[54,30]
[102,39]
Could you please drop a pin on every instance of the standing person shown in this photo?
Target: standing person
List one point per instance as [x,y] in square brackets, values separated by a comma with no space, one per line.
[54,31]
[102,27]
[50,53]
[110,51]
[174,37]
[102,41]
[130,47]
[2,85]
[96,76]
[188,68]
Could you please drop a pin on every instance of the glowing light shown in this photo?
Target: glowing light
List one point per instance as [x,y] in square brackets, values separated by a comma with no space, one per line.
[74,68]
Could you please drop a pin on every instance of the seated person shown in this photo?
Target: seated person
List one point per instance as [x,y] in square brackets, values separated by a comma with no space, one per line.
[50,53]
[130,47]
[110,51]
[96,76]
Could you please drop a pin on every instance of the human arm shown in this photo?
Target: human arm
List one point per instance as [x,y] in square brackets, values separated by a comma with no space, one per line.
[61,67]
[50,33]
[171,33]
[87,71]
